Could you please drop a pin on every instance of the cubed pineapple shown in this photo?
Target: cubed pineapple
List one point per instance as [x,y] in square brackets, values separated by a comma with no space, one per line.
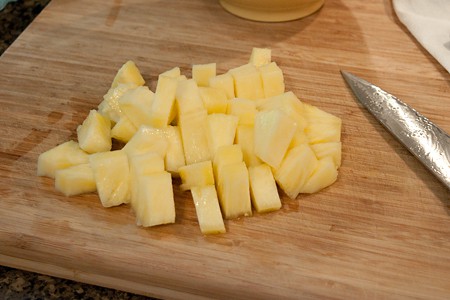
[224,82]
[294,171]
[188,98]
[194,136]
[109,107]
[245,138]
[112,177]
[226,155]
[175,154]
[136,105]
[247,82]
[208,209]
[154,204]
[273,134]
[94,135]
[272,79]
[323,132]
[314,114]
[264,192]
[198,174]
[234,190]
[128,73]
[202,73]
[244,109]
[214,99]
[298,138]
[60,157]
[324,175]
[260,56]
[123,130]
[174,73]
[164,101]
[147,139]
[75,180]
[332,150]
[221,130]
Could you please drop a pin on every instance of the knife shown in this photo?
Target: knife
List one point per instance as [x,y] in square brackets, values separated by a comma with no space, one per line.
[429,143]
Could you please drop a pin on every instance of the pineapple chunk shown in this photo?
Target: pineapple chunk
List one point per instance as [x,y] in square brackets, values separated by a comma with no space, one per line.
[143,164]
[273,134]
[202,73]
[264,192]
[234,190]
[332,150]
[245,138]
[123,130]
[323,132]
[260,56]
[112,177]
[298,138]
[324,175]
[299,163]
[224,82]
[75,180]
[244,109]
[272,79]
[154,204]
[147,139]
[109,107]
[188,98]
[198,174]
[194,137]
[175,154]
[128,73]
[221,129]
[226,155]
[208,209]
[214,99]
[60,157]
[136,105]
[174,73]
[94,135]
[314,114]
[163,102]
[247,82]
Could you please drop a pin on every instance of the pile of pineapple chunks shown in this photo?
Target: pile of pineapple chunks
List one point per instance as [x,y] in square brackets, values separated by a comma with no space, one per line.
[232,138]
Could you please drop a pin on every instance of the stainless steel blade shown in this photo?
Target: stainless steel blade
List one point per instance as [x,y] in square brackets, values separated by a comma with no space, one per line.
[429,143]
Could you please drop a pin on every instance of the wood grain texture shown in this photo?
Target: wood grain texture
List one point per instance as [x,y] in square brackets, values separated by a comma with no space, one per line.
[381,231]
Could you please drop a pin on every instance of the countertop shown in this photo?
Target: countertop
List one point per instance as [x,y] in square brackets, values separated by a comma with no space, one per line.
[19,284]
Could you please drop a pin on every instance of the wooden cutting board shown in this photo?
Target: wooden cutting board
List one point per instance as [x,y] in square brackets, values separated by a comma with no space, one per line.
[381,231]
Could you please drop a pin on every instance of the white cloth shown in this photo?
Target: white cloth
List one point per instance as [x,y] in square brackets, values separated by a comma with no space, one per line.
[429,23]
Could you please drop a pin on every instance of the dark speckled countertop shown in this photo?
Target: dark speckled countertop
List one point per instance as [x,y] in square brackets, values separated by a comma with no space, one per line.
[18,284]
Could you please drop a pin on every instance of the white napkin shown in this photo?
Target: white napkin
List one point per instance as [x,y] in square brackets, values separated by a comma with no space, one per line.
[429,22]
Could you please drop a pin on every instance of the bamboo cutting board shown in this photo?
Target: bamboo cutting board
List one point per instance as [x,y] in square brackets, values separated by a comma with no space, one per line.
[381,231]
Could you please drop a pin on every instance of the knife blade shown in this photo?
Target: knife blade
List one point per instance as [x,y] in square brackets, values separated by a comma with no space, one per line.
[429,143]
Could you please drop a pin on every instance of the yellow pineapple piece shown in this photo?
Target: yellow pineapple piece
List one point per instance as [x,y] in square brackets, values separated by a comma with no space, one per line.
[194,136]
[208,209]
[274,131]
[224,82]
[112,177]
[60,157]
[295,169]
[174,73]
[245,138]
[272,79]
[221,130]
[109,107]
[298,138]
[202,73]
[214,99]
[247,82]
[75,180]
[175,154]
[260,56]
[147,139]
[325,174]
[226,155]
[198,174]
[188,98]
[136,105]
[323,132]
[164,101]
[234,190]
[94,135]
[154,203]
[333,150]
[123,130]
[128,73]
[244,109]
[264,192]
